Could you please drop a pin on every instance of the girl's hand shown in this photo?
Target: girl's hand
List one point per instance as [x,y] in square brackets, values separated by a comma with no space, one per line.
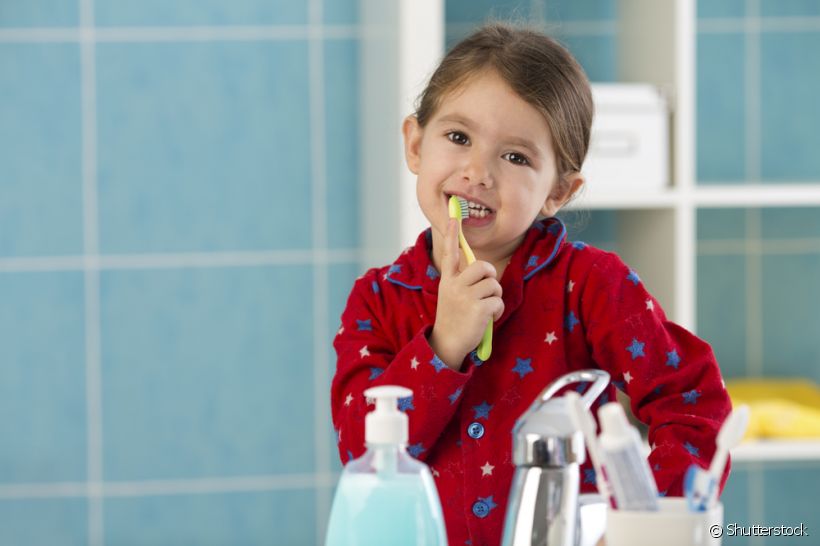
[467,300]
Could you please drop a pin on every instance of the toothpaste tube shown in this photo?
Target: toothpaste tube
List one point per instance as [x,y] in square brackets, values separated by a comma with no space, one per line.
[627,470]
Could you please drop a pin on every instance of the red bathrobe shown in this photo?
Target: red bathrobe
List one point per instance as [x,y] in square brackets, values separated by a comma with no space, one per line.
[568,306]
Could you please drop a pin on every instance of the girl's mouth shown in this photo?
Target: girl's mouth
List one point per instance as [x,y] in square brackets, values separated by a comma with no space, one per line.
[478,214]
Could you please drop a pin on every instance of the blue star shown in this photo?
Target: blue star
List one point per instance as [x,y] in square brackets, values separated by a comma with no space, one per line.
[571,321]
[453,397]
[349,455]
[589,475]
[658,389]
[375,372]
[488,501]
[657,467]
[474,357]
[691,397]
[633,277]
[533,261]
[395,268]
[662,493]
[620,385]
[482,411]
[522,367]
[364,325]
[406,403]
[692,449]
[636,348]
[375,287]
[672,359]
[437,363]
[580,245]
[432,272]
[416,449]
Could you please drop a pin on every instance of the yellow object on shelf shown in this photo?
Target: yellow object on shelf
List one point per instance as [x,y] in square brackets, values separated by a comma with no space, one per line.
[780,408]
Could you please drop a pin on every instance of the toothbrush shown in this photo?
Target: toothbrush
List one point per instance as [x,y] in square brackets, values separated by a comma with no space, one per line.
[701,485]
[458,210]
[582,419]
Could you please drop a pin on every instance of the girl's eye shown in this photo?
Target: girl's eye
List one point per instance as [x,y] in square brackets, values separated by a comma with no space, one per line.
[516,158]
[458,137]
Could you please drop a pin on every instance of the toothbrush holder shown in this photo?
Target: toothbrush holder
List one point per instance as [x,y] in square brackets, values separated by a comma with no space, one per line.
[672,525]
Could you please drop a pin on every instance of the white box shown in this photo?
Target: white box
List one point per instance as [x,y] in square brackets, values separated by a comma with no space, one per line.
[629,144]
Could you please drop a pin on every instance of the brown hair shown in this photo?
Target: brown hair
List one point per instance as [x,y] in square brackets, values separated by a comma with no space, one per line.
[539,69]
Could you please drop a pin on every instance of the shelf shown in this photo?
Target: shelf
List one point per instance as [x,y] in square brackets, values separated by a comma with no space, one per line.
[626,199]
[777,450]
[758,195]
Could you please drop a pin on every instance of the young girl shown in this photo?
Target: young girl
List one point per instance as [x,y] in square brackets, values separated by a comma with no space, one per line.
[504,123]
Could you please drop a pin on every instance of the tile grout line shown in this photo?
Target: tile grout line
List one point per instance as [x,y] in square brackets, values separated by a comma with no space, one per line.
[316,87]
[145,488]
[178,260]
[151,34]
[91,276]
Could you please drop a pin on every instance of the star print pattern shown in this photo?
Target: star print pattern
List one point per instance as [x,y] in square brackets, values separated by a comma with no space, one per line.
[672,359]
[636,348]
[549,287]
[522,366]
[482,411]
[571,321]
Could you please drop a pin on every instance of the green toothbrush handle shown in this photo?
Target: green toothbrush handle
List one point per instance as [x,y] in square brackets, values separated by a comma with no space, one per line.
[485,348]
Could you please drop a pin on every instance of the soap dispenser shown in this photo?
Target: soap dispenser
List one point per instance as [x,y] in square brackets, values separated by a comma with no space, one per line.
[386,496]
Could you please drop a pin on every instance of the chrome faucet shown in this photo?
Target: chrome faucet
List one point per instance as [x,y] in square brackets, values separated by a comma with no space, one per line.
[544,506]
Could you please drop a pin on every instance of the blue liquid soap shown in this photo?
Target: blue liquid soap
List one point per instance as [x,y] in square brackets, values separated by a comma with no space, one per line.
[386,497]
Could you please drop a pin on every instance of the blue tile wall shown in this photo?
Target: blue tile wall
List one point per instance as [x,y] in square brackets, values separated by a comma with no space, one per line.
[40,150]
[56,522]
[788,122]
[270,517]
[42,377]
[39,13]
[148,13]
[196,148]
[160,273]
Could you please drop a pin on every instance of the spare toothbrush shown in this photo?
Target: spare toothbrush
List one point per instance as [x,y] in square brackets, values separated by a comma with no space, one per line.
[701,485]
[459,209]
[582,419]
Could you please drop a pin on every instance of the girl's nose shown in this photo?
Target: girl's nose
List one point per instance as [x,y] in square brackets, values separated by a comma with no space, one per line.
[477,170]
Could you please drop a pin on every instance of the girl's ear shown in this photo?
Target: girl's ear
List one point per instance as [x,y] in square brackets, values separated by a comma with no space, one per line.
[564,189]
[412,132]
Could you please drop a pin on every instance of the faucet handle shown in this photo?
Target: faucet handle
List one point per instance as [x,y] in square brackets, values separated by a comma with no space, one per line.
[599,379]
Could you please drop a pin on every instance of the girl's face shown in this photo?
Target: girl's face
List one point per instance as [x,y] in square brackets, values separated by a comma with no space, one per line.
[492,148]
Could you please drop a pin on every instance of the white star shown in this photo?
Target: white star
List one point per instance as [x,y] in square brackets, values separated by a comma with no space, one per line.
[349,399]
[570,286]
[341,329]
[487,469]
[650,305]
[385,277]
[550,337]
[364,352]
[414,363]
[370,401]
[627,377]
[435,472]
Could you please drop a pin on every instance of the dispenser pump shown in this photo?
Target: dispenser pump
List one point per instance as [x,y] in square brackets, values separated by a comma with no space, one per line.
[386,424]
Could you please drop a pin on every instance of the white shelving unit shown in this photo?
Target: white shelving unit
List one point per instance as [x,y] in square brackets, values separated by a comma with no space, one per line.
[402,44]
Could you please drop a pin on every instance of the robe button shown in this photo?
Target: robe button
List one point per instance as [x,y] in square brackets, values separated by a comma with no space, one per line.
[475,430]
[480,509]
